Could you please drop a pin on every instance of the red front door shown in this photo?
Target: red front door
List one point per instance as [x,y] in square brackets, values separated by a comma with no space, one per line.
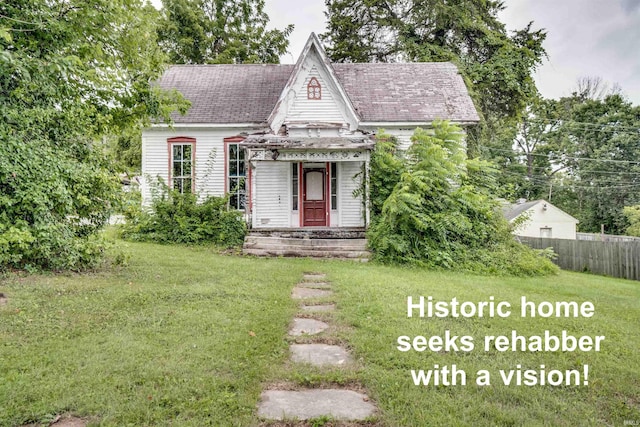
[314,198]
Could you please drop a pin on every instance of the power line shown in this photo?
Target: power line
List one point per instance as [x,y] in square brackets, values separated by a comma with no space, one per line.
[565,157]
[590,171]
[612,126]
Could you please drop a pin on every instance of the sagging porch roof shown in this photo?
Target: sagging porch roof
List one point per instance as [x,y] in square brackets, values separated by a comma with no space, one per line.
[270,142]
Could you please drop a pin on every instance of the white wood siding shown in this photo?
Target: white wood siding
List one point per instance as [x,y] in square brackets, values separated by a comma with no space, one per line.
[272,206]
[350,209]
[315,110]
[561,225]
[209,158]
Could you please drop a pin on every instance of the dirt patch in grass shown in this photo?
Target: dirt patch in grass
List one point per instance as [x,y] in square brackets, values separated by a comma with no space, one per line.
[3,299]
[69,421]
[66,420]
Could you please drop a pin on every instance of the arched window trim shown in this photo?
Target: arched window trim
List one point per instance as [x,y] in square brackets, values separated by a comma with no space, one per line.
[314,89]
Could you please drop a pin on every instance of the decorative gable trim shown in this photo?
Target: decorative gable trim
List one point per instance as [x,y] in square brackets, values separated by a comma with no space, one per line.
[297,79]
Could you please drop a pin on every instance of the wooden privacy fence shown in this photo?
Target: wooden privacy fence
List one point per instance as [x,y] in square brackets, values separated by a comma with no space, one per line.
[616,259]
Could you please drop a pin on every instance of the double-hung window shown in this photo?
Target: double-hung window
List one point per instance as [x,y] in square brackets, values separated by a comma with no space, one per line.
[181,158]
[236,176]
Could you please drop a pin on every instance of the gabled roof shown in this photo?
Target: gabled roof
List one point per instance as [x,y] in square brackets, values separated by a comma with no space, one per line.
[374,93]
[513,211]
[407,92]
[312,47]
[227,93]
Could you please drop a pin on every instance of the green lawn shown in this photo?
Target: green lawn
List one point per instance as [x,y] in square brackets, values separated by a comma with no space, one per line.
[184,336]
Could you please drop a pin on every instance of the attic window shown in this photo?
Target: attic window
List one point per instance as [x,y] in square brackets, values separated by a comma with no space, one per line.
[314,90]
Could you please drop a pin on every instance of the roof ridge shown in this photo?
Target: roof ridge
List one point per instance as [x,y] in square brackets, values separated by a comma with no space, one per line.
[228,65]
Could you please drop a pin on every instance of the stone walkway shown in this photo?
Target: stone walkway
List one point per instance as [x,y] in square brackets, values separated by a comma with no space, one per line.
[307,404]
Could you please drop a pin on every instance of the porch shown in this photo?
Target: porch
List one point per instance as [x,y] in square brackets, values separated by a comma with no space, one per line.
[309,182]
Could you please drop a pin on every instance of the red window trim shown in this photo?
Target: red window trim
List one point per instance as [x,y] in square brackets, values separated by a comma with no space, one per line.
[227,141]
[311,86]
[182,140]
[236,140]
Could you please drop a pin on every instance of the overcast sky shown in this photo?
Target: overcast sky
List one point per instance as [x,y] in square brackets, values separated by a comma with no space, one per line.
[584,38]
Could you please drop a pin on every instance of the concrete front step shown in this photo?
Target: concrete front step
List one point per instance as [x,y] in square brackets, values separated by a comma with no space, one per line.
[358,255]
[259,240]
[312,233]
[294,247]
[306,244]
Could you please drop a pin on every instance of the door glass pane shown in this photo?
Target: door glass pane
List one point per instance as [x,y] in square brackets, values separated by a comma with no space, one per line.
[314,185]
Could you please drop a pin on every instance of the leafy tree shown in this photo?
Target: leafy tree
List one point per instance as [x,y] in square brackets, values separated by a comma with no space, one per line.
[442,212]
[581,151]
[497,67]
[386,168]
[220,32]
[71,71]
[632,213]
[601,152]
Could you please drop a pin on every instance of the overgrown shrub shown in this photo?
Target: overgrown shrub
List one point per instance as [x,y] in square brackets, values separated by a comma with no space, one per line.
[182,218]
[441,211]
[54,198]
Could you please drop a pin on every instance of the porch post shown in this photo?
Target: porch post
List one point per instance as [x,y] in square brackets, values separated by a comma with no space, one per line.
[367,207]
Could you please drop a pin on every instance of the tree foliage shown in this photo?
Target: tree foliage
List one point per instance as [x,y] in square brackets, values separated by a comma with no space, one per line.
[600,151]
[497,67]
[442,212]
[580,151]
[71,71]
[220,32]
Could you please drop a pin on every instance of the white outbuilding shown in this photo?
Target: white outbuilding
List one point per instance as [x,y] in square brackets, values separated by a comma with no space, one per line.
[541,219]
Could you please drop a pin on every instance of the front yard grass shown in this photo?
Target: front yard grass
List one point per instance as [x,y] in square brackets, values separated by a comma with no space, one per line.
[185,336]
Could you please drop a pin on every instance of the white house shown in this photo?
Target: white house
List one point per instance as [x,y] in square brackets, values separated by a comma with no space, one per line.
[541,219]
[290,143]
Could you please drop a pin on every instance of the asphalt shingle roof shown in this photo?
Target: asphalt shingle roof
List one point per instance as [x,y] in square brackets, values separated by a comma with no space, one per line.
[513,211]
[247,93]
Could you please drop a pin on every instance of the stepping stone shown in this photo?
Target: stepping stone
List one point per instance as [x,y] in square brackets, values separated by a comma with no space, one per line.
[319,354]
[344,405]
[317,285]
[321,307]
[307,327]
[306,293]
[314,276]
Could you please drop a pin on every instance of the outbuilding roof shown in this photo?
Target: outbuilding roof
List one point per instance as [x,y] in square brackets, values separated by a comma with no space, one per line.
[381,93]
[513,211]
